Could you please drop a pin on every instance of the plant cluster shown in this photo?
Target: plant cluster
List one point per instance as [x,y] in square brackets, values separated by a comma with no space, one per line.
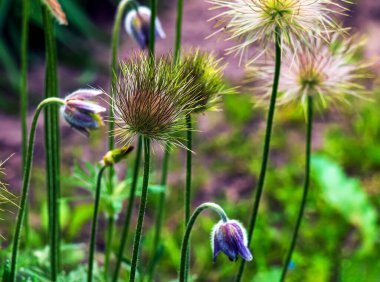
[155,99]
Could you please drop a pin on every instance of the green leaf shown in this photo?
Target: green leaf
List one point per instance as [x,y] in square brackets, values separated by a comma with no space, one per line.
[347,196]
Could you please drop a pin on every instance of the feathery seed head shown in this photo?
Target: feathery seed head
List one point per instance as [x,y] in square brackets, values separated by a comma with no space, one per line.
[137,25]
[150,100]
[81,112]
[331,73]
[206,75]
[5,195]
[257,20]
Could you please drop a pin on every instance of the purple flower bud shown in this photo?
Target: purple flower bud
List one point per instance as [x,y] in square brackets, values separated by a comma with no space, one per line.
[82,112]
[231,238]
[137,24]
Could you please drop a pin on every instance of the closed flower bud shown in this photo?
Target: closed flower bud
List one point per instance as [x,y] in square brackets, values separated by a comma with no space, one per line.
[137,24]
[230,237]
[205,74]
[81,111]
[116,155]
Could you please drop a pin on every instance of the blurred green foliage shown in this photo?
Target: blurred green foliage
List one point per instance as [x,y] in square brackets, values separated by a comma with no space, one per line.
[338,239]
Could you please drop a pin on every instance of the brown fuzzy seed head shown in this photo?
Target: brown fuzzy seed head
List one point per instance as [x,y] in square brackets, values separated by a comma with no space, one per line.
[149,100]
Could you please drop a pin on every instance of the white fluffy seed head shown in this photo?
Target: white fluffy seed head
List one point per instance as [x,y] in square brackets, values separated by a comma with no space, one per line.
[331,73]
[256,21]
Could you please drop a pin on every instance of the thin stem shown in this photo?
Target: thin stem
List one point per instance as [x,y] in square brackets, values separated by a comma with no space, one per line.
[165,161]
[161,199]
[25,184]
[128,215]
[189,157]
[140,219]
[24,94]
[152,28]
[306,186]
[186,238]
[94,225]
[160,213]
[114,51]
[178,34]
[266,150]
[52,143]
[111,140]
[108,246]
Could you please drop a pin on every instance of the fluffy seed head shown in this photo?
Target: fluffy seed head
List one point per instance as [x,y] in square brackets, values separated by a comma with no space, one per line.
[254,21]
[331,73]
[206,74]
[150,100]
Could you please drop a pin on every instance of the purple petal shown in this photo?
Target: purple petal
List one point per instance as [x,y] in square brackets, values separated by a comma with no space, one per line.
[137,25]
[84,94]
[85,106]
[79,119]
[216,248]
[244,252]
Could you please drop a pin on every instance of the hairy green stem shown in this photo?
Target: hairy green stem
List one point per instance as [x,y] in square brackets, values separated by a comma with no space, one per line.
[52,143]
[178,31]
[189,157]
[186,238]
[152,28]
[94,225]
[140,219]
[26,183]
[128,215]
[160,211]
[24,95]
[111,140]
[306,186]
[165,161]
[265,157]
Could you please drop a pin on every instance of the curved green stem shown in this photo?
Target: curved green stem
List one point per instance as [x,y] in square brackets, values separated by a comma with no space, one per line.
[265,157]
[306,186]
[24,93]
[25,184]
[186,238]
[128,215]
[111,140]
[140,219]
[94,225]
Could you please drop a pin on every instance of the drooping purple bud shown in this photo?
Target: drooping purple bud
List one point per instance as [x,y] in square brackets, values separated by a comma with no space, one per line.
[82,112]
[137,24]
[231,238]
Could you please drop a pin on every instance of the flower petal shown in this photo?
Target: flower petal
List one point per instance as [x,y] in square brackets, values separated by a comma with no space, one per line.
[85,106]
[84,94]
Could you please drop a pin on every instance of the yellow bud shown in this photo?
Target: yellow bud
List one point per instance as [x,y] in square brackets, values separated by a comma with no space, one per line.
[114,156]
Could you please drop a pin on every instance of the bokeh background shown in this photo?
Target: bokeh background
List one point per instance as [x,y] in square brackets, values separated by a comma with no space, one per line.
[339,238]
